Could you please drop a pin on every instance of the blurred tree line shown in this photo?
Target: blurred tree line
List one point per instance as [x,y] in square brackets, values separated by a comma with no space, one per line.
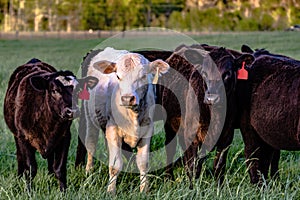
[182,15]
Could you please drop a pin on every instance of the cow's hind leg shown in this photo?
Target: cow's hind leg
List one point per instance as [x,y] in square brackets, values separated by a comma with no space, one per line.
[275,164]
[265,159]
[81,150]
[91,141]
[20,158]
[258,155]
[127,152]
[170,145]
[50,160]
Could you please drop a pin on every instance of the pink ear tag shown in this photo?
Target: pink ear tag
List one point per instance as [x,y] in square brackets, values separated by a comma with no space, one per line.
[84,94]
[242,73]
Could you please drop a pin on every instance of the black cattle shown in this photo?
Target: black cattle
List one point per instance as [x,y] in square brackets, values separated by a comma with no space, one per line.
[269,110]
[38,109]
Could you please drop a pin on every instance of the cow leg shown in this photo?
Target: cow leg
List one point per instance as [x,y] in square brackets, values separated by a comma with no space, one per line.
[114,143]
[29,166]
[60,161]
[222,150]
[80,153]
[91,141]
[190,156]
[275,164]
[220,164]
[81,150]
[254,147]
[265,159]
[142,159]
[50,160]
[127,152]
[20,158]
[170,144]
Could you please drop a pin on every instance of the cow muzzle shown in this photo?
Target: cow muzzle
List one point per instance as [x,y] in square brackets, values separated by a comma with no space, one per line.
[70,114]
[211,99]
[129,101]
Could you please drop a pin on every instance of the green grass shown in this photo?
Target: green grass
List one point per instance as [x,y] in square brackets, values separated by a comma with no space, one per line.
[67,54]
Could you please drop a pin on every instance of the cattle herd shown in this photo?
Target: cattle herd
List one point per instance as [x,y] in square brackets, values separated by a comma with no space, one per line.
[119,89]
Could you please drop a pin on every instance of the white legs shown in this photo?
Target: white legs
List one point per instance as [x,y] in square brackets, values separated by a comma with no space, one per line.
[116,162]
[142,159]
[114,143]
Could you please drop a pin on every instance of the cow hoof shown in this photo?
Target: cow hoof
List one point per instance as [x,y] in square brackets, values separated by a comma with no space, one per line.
[144,189]
[89,169]
[111,190]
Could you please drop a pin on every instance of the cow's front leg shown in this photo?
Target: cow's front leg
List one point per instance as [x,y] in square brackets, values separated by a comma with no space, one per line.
[60,161]
[27,164]
[114,143]
[142,159]
[222,145]
[81,150]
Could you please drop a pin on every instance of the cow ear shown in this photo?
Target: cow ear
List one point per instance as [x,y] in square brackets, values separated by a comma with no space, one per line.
[105,67]
[247,58]
[39,83]
[160,66]
[193,56]
[89,81]
[246,49]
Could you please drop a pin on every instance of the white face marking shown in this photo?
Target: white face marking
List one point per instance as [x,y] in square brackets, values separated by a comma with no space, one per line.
[70,82]
[133,75]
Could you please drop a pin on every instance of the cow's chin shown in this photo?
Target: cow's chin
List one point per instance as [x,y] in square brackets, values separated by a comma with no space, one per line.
[69,114]
[211,99]
[134,108]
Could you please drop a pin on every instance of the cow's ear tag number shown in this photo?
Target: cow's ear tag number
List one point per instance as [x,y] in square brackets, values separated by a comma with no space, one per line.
[242,73]
[84,94]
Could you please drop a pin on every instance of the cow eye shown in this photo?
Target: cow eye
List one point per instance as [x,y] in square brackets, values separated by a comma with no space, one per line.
[118,77]
[226,76]
[54,92]
[144,76]
[204,75]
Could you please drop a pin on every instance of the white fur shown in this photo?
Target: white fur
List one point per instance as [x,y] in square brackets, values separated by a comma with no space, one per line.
[123,122]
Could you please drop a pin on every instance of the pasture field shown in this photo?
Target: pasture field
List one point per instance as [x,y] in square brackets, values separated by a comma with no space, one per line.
[67,54]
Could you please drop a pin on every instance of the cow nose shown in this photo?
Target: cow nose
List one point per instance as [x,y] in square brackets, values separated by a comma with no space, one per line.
[211,99]
[128,100]
[69,112]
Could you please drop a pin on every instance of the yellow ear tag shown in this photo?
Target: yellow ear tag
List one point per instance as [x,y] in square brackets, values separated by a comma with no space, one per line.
[155,79]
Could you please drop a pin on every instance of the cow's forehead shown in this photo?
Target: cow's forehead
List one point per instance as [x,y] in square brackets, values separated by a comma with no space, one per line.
[131,62]
[67,80]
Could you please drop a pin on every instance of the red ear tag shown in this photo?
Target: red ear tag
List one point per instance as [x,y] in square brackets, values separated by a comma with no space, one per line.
[242,73]
[84,94]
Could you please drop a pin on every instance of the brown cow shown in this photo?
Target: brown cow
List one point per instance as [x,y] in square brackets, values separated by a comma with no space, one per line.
[195,129]
[269,110]
[38,110]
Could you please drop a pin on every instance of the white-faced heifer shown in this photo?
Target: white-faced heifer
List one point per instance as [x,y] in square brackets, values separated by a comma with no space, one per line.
[123,101]
[38,108]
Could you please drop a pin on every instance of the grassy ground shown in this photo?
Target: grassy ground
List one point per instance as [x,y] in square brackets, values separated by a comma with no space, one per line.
[67,54]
